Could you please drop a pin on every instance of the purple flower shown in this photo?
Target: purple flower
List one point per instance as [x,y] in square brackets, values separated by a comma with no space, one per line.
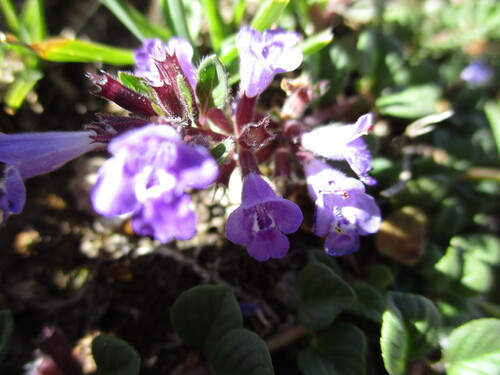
[343,209]
[262,220]
[344,143]
[155,49]
[147,177]
[262,56]
[27,155]
[477,73]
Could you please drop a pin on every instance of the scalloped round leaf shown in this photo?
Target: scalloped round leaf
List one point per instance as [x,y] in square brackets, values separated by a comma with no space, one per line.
[474,348]
[205,313]
[6,328]
[369,304]
[323,296]
[312,362]
[422,319]
[114,356]
[485,247]
[410,328]
[344,345]
[241,352]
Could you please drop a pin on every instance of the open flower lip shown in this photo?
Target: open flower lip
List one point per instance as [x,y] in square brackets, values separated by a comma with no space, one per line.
[262,220]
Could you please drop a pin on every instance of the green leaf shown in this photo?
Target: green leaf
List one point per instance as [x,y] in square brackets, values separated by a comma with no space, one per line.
[410,327]
[380,276]
[134,21]
[6,328]
[413,102]
[474,348]
[114,356]
[203,314]
[186,96]
[370,303]
[312,361]
[76,50]
[268,14]
[9,12]
[345,346]
[323,295]
[241,352]
[322,257]
[213,86]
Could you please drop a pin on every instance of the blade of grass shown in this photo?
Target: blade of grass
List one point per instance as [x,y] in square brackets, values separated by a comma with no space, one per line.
[217,28]
[33,18]
[316,42]
[268,14]
[135,22]
[174,13]
[492,111]
[19,89]
[75,50]
[10,14]
[238,12]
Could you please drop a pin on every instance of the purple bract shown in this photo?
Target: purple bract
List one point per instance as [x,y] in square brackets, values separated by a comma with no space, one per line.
[262,220]
[263,56]
[28,155]
[344,142]
[343,209]
[147,177]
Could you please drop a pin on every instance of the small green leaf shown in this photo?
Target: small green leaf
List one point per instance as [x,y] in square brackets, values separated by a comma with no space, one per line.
[114,356]
[6,328]
[410,327]
[492,111]
[474,348]
[413,102]
[317,255]
[76,50]
[241,352]
[217,28]
[213,87]
[316,42]
[323,295]
[344,345]
[311,361]
[20,88]
[203,314]
[222,151]
[370,303]
[380,276]
[186,96]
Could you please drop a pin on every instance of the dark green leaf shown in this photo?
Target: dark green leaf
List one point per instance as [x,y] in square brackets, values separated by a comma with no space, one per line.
[114,356]
[370,303]
[410,327]
[311,361]
[345,346]
[413,102]
[203,314]
[323,295]
[241,352]
[474,348]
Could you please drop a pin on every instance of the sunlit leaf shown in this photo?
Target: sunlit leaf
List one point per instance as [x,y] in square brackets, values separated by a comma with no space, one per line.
[474,348]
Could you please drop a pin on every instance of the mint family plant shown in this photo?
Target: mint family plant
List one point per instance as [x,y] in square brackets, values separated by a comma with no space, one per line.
[179,124]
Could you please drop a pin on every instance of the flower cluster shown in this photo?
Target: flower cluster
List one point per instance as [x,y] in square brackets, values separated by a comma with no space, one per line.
[182,136]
